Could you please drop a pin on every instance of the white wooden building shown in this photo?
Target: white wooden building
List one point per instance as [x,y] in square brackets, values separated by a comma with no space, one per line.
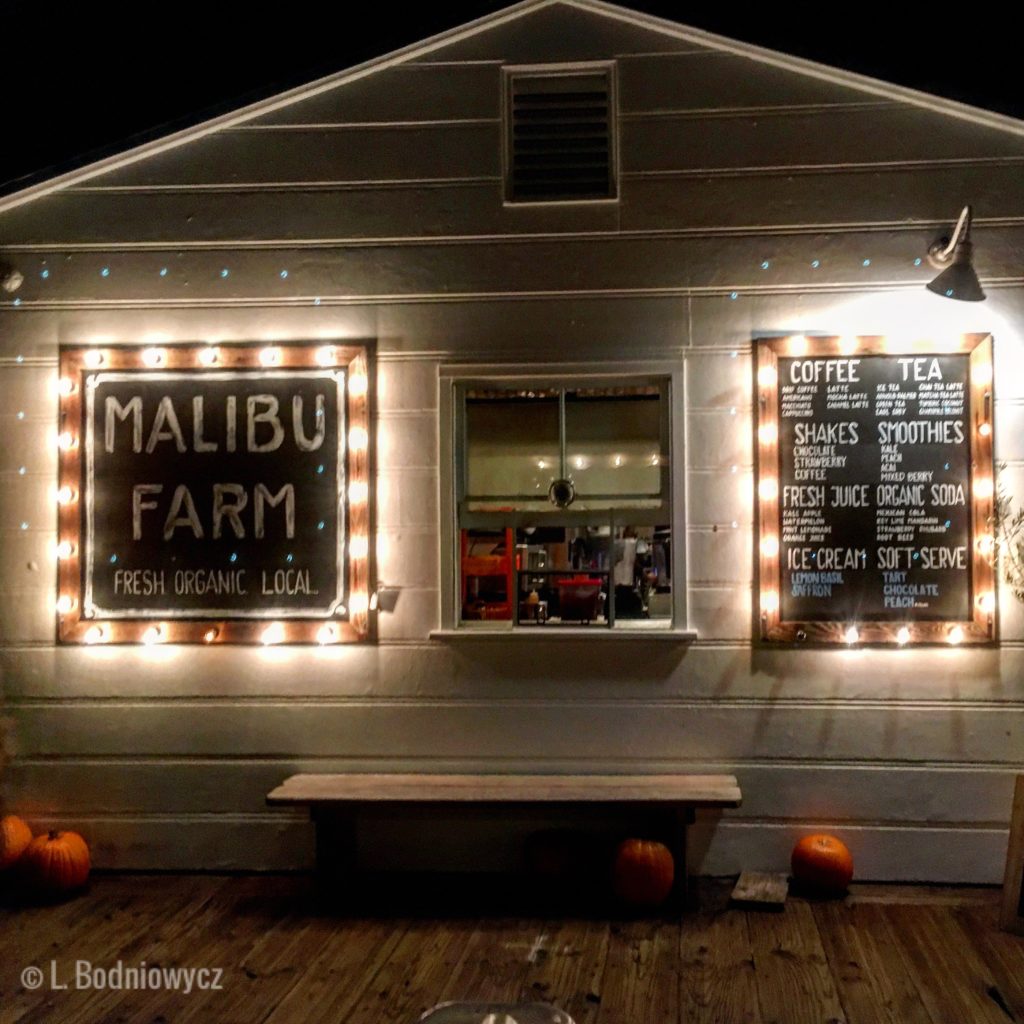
[747,194]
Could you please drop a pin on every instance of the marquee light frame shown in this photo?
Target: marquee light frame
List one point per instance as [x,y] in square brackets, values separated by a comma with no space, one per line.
[353,624]
[981,627]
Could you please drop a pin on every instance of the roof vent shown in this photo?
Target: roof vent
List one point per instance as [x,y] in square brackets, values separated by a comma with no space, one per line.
[560,136]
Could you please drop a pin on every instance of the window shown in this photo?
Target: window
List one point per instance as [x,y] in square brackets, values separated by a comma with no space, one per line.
[563,502]
[559,135]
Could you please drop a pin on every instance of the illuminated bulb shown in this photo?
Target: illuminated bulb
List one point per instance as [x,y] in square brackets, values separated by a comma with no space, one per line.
[93,358]
[767,376]
[852,635]
[65,603]
[95,635]
[617,461]
[655,460]
[798,345]
[903,636]
[358,604]
[768,433]
[768,488]
[65,549]
[359,547]
[374,601]
[541,464]
[210,635]
[847,345]
[358,439]
[983,487]
[65,495]
[769,601]
[770,546]
[987,602]
[325,357]
[579,462]
[153,635]
[270,356]
[65,386]
[154,356]
[326,634]
[209,356]
[66,441]
[358,384]
[955,635]
[986,543]
[985,429]
[358,492]
[273,634]
[981,373]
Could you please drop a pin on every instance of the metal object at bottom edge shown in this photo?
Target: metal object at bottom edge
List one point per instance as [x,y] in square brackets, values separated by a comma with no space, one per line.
[495,1013]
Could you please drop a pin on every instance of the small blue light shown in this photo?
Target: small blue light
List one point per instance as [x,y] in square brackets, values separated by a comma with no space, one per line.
[865,263]
[949,293]
[22,471]
[917,555]
[21,414]
[19,359]
[917,262]
[44,274]
[105,272]
[233,557]
[734,354]
[113,559]
[765,264]
[24,526]
[946,466]
[225,272]
[320,468]
[288,557]
[815,264]
[316,302]
[814,554]
[320,525]
[284,274]
[17,302]
[163,271]
[949,523]
[734,295]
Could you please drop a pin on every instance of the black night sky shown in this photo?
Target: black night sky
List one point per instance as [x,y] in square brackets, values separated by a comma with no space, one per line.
[82,79]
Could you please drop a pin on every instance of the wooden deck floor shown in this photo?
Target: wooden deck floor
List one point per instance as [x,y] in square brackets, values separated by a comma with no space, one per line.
[887,954]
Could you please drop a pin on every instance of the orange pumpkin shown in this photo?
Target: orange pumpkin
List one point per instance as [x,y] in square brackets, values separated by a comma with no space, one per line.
[642,872]
[57,862]
[823,863]
[15,837]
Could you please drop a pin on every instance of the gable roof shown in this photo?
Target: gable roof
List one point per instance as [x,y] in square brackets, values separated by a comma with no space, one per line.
[773,58]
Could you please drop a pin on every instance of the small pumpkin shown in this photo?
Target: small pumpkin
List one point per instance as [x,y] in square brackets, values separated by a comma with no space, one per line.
[57,862]
[15,837]
[822,863]
[642,872]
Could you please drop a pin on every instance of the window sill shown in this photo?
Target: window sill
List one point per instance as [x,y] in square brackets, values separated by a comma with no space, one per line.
[544,633]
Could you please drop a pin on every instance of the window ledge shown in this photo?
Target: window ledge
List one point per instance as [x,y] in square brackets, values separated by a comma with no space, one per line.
[678,636]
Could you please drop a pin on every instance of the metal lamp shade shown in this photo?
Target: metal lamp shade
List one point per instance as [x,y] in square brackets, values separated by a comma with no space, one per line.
[959,281]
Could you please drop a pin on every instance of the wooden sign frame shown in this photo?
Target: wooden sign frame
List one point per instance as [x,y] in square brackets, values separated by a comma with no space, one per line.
[980,628]
[1011,917]
[349,622]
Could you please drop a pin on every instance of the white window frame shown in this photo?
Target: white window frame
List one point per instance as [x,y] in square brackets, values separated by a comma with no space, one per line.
[564,375]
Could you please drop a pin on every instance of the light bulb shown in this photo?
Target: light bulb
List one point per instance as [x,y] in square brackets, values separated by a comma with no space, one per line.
[326,634]
[270,356]
[93,359]
[981,373]
[983,487]
[358,492]
[153,635]
[66,495]
[209,356]
[95,635]
[987,602]
[358,604]
[154,357]
[273,634]
[770,546]
[65,549]
[358,384]
[65,387]
[358,439]
[65,603]
[325,357]
[768,488]
[211,634]
[768,433]
[767,376]
[903,636]
[986,543]
[985,429]
[955,635]
[66,440]
[847,345]
[769,601]
[359,547]
[797,345]
[852,635]
[617,461]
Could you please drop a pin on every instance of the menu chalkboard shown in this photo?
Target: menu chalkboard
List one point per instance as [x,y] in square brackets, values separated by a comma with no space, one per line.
[870,471]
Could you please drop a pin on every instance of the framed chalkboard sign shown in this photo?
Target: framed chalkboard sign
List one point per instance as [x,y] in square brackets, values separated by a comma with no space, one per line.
[214,494]
[875,489]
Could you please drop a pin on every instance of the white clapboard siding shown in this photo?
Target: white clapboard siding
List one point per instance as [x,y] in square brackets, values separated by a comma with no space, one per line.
[572,669]
[910,733]
[558,33]
[718,439]
[404,92]
[714,80]
[470,149]
[516,267]
[801,792]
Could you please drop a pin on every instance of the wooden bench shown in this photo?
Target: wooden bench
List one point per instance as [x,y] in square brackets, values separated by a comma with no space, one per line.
[336,800]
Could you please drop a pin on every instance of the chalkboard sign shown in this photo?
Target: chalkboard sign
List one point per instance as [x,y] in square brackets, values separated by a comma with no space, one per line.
[875,487]
[211,487]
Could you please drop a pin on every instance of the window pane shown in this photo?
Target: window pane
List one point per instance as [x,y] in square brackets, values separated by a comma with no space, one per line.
[512,446]
[613,442]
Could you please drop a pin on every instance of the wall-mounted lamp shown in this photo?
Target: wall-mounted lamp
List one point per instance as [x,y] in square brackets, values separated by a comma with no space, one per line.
[10,278]
[953,257]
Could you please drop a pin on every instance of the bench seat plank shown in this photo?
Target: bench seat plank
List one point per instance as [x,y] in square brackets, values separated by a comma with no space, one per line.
[694,790]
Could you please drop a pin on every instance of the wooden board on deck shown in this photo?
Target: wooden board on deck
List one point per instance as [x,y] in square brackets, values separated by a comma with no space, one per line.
[760,890]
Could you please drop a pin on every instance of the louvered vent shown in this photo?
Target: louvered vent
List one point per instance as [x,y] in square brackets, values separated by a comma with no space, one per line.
[560,137]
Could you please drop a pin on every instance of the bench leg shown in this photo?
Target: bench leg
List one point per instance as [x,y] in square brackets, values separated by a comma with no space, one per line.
[335,851]
[681,818]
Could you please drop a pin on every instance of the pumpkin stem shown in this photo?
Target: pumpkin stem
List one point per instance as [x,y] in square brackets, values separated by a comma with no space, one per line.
[53,834]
